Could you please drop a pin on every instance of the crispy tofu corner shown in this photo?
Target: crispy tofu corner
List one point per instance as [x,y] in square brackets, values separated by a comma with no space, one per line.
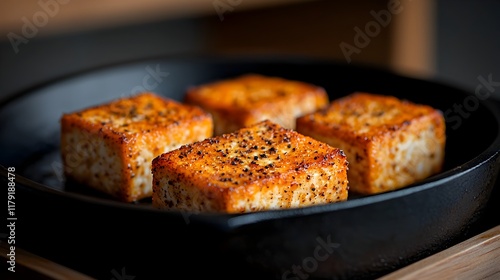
[390,143]
[110,147]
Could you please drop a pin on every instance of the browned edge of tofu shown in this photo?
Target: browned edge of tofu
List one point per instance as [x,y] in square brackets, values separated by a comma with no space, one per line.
[110,146]
[247,99]
[261,167]
[389,142]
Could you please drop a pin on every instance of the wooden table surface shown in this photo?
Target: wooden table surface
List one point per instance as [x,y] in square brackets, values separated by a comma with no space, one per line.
[475,258]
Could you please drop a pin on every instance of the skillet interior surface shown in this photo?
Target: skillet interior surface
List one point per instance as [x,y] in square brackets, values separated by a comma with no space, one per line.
[30,137]
[30,141]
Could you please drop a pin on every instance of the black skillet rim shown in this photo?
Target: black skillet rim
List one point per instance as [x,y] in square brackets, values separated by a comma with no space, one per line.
[236,220]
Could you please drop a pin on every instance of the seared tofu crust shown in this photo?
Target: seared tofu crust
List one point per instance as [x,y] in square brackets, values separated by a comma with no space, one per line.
[260,167]
[110,147]
[242,101]
[390,143]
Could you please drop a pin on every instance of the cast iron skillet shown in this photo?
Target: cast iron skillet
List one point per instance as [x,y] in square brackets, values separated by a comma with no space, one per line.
[364,237]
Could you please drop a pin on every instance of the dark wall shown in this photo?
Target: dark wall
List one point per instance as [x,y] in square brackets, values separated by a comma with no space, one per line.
[468,42]
[309,28]
[47,57]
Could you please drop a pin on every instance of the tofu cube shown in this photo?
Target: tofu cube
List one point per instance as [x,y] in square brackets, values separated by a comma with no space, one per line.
[390,143]
[244,100]
[110,147]
[260,167]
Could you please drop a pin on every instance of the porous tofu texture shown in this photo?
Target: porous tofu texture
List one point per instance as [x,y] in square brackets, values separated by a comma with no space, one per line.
[110,147]
[244,100]
[260,167]
[390,143]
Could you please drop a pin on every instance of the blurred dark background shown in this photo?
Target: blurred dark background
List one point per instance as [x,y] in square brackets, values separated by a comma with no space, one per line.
[453,41]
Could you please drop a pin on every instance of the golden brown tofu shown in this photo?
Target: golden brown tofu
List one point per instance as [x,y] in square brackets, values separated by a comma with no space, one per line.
[260,167]
[247,99]
[110,147]
[389,143]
